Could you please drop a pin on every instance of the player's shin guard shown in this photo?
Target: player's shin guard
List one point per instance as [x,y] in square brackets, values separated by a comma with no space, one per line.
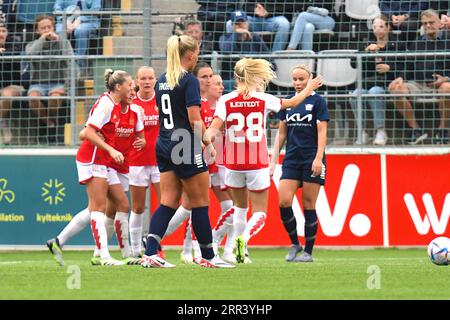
[239,220]
[254,225]
[225,220]
[181,215]
[158,226]
[202,230]
[99,233]
[290,224]
[80,221]
[135,226]
[311,225]
[121,228]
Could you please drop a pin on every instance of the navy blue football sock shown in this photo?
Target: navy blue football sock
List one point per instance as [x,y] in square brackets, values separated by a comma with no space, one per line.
[311,225]
[158,226]
[202,230]
[290,224]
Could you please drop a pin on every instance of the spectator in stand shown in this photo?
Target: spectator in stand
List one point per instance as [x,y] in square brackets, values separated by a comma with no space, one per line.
[377,73]
[404,16]
[241,40]
[315,15]
[9,80]
[270,16]
[48,75]
[83,27]
[426,75]
[194,29]
[214,15]
[26,13]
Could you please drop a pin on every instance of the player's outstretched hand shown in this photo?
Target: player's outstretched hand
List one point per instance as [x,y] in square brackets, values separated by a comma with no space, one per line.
[315,83]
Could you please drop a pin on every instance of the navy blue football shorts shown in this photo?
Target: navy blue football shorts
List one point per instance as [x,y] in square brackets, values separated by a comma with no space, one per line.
[299,168]
[184,165]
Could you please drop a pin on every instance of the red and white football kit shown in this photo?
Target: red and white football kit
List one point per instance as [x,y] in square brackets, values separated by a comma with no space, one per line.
[130,123]
[246,155]
[143,166]
[92,161]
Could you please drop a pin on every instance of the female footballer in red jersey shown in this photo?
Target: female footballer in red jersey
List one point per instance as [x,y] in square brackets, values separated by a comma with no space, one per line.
[129,138]
[127,135]
[96,153]
[224,225]
[243,113]
[144,172]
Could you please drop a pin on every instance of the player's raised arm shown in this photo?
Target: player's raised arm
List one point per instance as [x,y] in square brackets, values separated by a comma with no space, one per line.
[313,84]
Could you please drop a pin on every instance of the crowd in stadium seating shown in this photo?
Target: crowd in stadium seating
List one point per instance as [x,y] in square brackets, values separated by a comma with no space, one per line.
[234,26]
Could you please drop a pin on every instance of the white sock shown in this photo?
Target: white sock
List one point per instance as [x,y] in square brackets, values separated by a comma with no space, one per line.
[187,243]
[121,227]
[80,221]
[239,220]
[224,221]
[226,205]
[254,225]
[146,216]
[99,233]
[136,221]
[109,226]
[197,251]
[195,245]
[178,218]
[230,242]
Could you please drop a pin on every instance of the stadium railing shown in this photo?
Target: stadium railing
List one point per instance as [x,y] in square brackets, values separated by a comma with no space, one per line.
[134,33]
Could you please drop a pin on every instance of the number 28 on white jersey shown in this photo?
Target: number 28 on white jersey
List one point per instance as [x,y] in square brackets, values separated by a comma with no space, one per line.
[245,126]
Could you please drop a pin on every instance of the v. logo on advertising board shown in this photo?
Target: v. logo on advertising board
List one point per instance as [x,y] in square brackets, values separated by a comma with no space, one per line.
[430,220]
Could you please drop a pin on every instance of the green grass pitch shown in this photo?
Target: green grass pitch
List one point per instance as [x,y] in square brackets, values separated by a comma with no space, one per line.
[335,274]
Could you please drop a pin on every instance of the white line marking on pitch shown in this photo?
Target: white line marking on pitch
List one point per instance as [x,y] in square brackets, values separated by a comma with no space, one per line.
[24,261]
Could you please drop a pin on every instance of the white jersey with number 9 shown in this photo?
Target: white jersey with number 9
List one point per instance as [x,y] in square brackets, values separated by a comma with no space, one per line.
[245,126]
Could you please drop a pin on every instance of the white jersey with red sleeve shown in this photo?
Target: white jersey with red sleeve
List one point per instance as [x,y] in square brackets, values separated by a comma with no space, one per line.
[207,116]
[130,124]
[245,127]
[104,117]
[147,156]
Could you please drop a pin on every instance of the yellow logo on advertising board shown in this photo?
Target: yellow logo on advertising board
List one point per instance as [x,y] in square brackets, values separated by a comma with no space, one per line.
[6,194]
[53,191]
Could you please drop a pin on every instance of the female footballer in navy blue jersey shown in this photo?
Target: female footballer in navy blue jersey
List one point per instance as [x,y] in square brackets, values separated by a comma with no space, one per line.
[179,153]
[305,128]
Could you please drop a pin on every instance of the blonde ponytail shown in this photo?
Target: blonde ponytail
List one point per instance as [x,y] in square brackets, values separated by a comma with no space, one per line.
[112,78]
[177,46]
[252,75]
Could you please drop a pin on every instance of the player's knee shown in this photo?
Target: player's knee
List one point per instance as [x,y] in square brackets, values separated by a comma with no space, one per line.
[123,205]
[138,209]
[285,202]
[308,203]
